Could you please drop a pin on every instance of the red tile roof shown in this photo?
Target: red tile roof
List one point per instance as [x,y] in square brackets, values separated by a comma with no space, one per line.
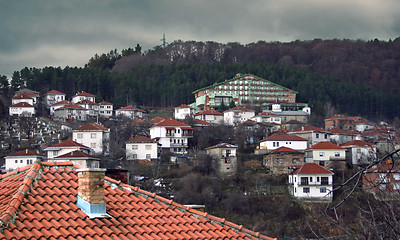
[68,143]
[240,108]
[76,154]
[209,112]
[63,102]
[39,202]
[356,143]
[26,152]
[183,106]
[267,114]
[105,103]
[325,145]
[22,96]
[86,101]
[312,168]
[157,120]
[84,94]
[283,137]
[72,106]
[284,150]
[340,131]
[199,122]
[137,122]
[141,139]
[130,108]
[309,128]
[91,127]
[171,123]
[22,104]
[54,92]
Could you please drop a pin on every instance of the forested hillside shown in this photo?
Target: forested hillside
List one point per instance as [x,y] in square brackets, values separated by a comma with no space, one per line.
[352,77]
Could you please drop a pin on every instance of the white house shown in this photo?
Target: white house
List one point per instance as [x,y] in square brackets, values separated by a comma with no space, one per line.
[360,152]
[326,154]
[210,116]
[129,112]
[93,135]
[71,111]
[58,105]
[183,111]
[311,182]
[267,117]
[64,148]
[83,96]
[23,97]
[142,148]
[92,108]
[106,109]
[276,141]
[312,134]
[53,96]
[21,109]
[80,158]
[21,159]
[238,115]
[362,125]
[172,135]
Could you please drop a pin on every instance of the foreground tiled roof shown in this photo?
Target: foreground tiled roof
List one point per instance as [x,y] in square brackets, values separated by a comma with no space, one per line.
[91,127]
[39,202]
[283,137]
[171,123]
[26,152]
[105,103]
[312,168]
[325,146]
[157,120]
[71,106]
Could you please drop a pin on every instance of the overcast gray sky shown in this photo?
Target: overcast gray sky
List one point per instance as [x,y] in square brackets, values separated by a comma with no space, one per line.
[69,32]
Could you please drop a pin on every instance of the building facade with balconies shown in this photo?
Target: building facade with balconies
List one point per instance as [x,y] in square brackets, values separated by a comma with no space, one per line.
[311,182]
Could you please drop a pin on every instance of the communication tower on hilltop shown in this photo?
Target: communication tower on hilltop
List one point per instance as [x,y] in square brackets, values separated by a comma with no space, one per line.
[163,40]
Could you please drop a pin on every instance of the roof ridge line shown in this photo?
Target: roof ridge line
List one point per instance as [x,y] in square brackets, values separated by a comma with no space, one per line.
[19,195]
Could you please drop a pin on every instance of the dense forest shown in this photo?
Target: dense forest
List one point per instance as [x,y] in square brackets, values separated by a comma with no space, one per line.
[351,77]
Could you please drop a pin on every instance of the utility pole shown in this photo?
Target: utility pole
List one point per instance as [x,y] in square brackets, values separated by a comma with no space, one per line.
[163,40]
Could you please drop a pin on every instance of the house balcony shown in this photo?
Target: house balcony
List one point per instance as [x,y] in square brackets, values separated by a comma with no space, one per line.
[315,184]
[170,134]
[178,145]
[187,134]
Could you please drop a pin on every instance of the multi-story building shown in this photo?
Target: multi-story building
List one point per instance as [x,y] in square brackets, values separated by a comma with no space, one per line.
[71,112]
[83,96]
[22,109]
[313,134]
[238,115]
[106,109]
[279,160]
[210,116]
[172,135]
[142,148]
[327,154]
[276,141]
[93,135]
[65,147]
[53,96]
[182,112]
[130,112]
[243,89]
[360,152]
[21,159]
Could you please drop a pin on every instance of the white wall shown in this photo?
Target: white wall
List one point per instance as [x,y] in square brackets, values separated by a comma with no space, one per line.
[96,140]
[296,145]
[26,111]
[314,186]
[142,151]
[15,162]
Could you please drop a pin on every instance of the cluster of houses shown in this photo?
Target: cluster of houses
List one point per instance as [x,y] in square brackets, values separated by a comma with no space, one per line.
[307,154]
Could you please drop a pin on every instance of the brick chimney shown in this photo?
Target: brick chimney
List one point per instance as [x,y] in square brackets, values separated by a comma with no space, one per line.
[91,192]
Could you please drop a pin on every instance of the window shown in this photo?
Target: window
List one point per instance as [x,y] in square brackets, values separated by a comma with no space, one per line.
[16,161]
[21,161]
[326,136]
[310,179]
[279,160]
[321,163]
[93,145]
[296,160]
[322,190]
[337,154]
[148,147]
[317,179]
[134,147]
[147,156]
[227,160]
[93,135]
[277,144]
[306,190]
[358,150]
[317,135]
[134,156]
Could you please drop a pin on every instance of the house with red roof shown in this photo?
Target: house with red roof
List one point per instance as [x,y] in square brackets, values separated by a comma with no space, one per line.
[142,148]
[65,201]
[23,97]
[172,135]
[278,140]
[278,161]
[106,109]
[341,136]
[312,134]
[93,135]
[340,121]
[211,116]
[21,109]
[57,105]
[267,117]
[65,147]
[327,154]
[238,115]
[311,182]
[225,156]
[28,92]
[92,108]
[52,97]
[21,159]
[363,125]
[83,96]
[359,152]
[78,157]
[70,112]
[183,111]
[130,112]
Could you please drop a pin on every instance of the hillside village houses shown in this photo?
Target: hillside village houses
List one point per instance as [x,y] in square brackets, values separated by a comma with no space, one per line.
[106,109]
[327,154]
[278,140]
[93,135]
[280,160]
[238,115]
[65,147]
[22,109]
[142,148]
[53,96]
[130,112]
[225,157]
[21,159]
[210,116]
[183,111]
[313,134]
[360,152]
[83,96]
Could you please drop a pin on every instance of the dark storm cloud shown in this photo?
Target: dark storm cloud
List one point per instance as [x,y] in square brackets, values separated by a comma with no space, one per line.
[47,32]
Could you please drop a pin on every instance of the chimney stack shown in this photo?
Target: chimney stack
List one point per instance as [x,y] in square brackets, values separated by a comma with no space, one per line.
[91,192]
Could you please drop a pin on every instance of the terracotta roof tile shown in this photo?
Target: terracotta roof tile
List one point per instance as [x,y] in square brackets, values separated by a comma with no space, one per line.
[22,104]
[71,105]
[283,137]
[325,145]
[54,92]
[239,108]
[171,123]
[312,168]
[75,154]
[68,143]
[141,139]
[130,108]
[209,112]
[183,106]
[91,127]
[105,103]
[26,152]
[284,150]
[41,209]
[22,96]
[356,143]
[86,101]
[63,102]
[309,128]
[84,94]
